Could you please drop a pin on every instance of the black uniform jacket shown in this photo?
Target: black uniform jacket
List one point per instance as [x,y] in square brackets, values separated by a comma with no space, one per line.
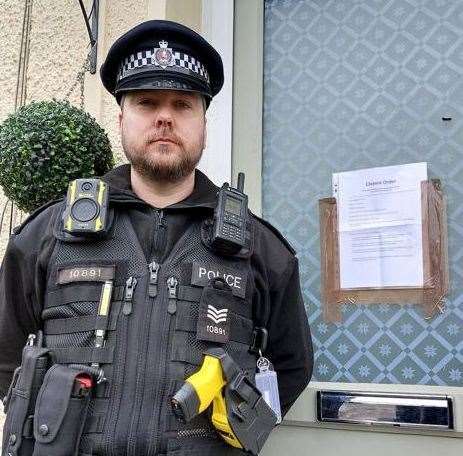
[275,268]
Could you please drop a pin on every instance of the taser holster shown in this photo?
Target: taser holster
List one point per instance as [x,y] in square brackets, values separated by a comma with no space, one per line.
[239,412]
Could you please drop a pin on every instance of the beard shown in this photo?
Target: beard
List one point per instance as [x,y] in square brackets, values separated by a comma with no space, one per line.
[162,162]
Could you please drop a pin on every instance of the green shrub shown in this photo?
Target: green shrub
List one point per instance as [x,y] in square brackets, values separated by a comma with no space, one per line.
[45,145]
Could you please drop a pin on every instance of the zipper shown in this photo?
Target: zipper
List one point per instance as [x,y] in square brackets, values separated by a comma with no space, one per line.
[128,295]
[121,350]
[159,239]
[203,433]
[153,283]
[154,269]
[172,284]
[165,319]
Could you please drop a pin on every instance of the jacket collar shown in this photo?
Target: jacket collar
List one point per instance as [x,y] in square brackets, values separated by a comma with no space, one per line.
[204,193]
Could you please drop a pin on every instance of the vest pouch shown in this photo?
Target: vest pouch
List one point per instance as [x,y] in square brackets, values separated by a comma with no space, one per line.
[18,437]
[214,312]
[60,412]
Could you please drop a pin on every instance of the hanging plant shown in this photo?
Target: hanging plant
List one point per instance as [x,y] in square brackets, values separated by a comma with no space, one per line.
[45,145]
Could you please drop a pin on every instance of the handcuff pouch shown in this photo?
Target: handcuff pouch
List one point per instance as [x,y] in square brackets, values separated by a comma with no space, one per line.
[19,403]
[60,413]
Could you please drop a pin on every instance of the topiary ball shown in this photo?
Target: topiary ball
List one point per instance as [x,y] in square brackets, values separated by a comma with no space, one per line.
[44,146]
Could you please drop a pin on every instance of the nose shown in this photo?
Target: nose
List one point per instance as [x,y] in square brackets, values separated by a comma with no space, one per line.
[164,118]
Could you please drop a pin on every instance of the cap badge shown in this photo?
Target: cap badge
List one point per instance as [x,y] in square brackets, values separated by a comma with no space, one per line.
[163,56]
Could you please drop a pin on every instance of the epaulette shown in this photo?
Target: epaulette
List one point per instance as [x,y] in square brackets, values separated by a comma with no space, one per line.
[34,214]
[276,232]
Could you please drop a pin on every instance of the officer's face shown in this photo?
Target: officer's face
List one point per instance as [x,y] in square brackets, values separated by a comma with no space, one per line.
[163,132]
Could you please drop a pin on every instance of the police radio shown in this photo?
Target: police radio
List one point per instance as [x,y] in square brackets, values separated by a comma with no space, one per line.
[86,207]
[230,215]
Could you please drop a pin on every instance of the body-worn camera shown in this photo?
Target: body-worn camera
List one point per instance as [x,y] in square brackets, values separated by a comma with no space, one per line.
[86,207]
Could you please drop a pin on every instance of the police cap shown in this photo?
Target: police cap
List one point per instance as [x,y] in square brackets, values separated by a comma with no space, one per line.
[161,54]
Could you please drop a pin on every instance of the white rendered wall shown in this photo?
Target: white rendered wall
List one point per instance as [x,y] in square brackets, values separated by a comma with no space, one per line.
[217,28]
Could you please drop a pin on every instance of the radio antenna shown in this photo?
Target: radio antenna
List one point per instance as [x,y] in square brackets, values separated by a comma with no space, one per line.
[241,182]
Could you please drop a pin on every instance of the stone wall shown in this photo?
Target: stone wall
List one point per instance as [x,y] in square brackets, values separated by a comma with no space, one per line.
[58,46]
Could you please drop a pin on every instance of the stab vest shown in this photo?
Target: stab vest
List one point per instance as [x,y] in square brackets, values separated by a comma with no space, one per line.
[151,339]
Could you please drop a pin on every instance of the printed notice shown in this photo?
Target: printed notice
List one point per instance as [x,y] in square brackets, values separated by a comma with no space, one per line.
[380,226]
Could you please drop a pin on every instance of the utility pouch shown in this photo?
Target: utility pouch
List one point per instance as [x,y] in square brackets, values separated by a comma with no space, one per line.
[214,319]
[60,411]
[18,437]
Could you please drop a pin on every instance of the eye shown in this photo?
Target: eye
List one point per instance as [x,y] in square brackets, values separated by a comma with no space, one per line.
[183,104]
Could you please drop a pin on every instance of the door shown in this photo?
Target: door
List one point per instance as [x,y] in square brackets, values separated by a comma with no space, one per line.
[346,85]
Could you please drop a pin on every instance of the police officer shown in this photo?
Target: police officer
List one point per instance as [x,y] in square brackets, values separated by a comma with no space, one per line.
[163,75]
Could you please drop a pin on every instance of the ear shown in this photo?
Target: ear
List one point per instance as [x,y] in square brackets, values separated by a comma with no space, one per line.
[119,120]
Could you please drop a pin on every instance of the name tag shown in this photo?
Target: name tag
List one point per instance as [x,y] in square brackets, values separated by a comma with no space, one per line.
[91,273]
[202,273]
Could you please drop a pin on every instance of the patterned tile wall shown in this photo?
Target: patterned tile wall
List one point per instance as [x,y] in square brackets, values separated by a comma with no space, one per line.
[350,84]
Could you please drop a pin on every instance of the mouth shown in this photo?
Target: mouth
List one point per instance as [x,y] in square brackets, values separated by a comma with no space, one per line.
[166,140]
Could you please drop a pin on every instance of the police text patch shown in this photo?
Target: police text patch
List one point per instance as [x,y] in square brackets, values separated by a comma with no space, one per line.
[90,273]
[202,273]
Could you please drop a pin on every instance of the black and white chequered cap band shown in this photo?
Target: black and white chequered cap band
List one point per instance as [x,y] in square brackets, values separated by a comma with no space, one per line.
[149,60]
